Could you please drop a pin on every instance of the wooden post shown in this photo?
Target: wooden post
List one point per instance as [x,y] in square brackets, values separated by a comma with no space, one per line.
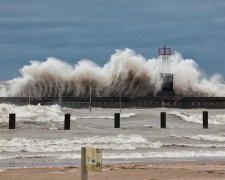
[67,122]
[12,121]
[163,119]
[84,172]
[117,120]
[205,119]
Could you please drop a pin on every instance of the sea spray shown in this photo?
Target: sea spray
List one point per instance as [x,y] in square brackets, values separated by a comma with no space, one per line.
[32,113]
[125,74]
[53,113]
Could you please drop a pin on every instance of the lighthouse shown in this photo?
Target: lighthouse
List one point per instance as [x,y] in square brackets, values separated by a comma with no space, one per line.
[166,74]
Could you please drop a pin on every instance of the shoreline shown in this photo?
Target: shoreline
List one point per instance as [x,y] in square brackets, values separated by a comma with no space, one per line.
[124,171]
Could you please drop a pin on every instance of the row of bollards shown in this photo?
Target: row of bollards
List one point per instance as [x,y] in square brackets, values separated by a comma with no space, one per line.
[204,119]
[12,120]
[162,120]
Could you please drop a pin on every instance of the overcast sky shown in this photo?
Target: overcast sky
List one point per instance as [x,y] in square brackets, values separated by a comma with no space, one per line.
[92,29]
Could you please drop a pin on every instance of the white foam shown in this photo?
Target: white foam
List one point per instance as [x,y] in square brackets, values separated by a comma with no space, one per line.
[125,155]
[196,145]
[123,116]
[168,154]
[19,148]
[120,142]
[22,156]
[197,118]
[126,74]
[155,154]
[218,119]
[32,113]
[45,113]
[204,137]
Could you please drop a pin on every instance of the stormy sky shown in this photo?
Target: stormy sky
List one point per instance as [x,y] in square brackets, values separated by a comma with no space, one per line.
[92,29]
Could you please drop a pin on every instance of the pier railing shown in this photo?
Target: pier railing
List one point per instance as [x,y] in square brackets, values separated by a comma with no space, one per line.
[124,102]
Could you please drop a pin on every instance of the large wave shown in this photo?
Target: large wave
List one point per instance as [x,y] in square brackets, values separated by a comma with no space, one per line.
[125,74]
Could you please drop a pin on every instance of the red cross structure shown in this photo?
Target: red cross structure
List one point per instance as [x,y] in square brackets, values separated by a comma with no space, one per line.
[164,51]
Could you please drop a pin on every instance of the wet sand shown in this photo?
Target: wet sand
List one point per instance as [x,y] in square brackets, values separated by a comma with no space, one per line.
[135,171]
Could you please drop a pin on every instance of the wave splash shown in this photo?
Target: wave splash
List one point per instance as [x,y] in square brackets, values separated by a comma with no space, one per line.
[125,74]
[197,118]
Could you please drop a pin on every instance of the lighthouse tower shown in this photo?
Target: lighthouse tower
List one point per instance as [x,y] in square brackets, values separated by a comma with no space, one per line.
[166,75]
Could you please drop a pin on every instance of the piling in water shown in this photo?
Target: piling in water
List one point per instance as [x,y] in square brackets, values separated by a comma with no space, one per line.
[205,119]
[163,119]
[117,120]
[67,122]
[12,121]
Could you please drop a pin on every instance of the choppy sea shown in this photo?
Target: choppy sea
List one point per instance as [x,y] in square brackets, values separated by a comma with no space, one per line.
[39,138]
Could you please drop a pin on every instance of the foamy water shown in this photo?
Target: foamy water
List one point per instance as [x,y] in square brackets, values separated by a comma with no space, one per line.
[130,156]
[120,142]
[205,137]
[30,112]
[122,116]
[197,118]
[39,138]
[46,113]
[126,73]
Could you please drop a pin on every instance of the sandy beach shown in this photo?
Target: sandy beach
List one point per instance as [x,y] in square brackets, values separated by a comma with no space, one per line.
[137,171]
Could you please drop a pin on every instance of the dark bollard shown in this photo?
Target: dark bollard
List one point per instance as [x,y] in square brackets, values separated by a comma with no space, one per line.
[12,121]
[117,120]
[163,119]
[205,119]
[67,122]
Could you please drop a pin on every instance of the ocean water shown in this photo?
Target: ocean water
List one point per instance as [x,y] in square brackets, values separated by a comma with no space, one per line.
[39,138]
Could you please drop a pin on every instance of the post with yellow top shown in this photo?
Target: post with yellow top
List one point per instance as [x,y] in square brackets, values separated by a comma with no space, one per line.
[91,160]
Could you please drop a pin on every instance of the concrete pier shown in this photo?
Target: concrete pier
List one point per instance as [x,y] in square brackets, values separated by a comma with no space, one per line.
[127,102]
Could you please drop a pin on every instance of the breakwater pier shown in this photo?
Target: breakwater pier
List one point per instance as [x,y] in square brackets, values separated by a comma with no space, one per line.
[125,102]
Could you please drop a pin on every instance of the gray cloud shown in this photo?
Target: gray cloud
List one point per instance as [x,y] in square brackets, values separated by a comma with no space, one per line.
[75,29]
